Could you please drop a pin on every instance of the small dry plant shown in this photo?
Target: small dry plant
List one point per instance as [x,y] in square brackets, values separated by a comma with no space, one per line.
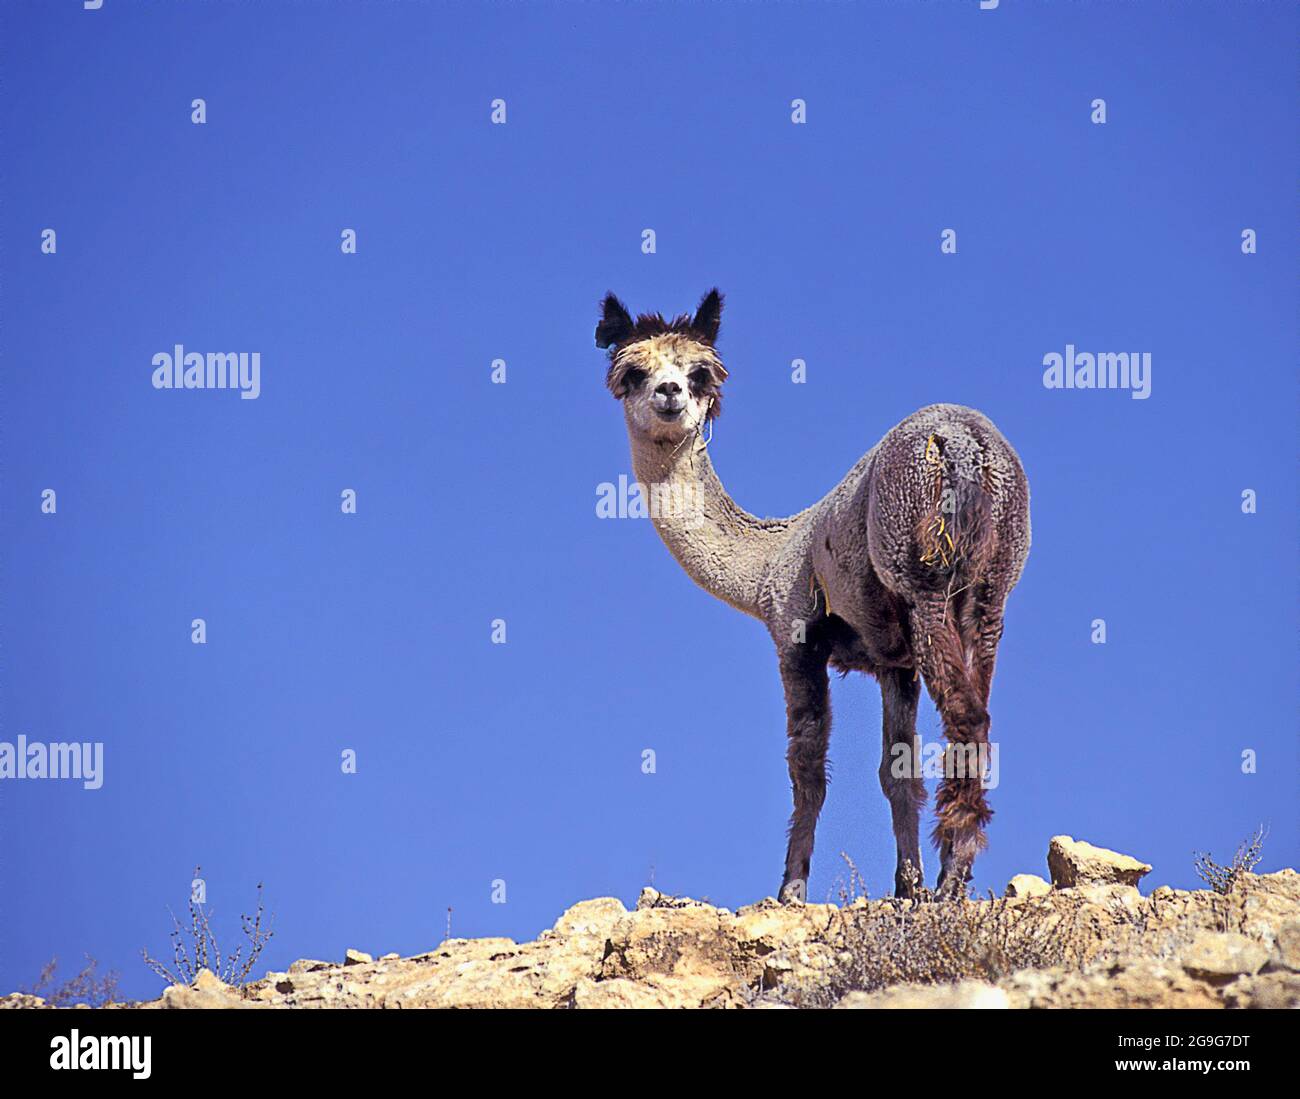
[88,987]
[195,947]
[1224,879]
[849,886]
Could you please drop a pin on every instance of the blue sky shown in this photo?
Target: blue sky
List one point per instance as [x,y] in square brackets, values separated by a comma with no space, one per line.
[476,242]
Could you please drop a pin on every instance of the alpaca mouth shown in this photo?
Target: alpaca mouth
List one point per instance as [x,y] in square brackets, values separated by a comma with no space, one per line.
[669,413]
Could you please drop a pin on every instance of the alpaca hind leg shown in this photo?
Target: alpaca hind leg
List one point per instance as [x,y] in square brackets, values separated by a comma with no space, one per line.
[900,775]
[808,720]
[982,652]
[962,810]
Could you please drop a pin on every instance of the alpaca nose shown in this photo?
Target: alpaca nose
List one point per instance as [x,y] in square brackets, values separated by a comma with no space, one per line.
[668,389]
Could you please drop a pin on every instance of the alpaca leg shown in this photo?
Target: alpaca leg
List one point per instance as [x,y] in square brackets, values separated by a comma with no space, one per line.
[808,726]
[983,651]
[962,810]
[900,775]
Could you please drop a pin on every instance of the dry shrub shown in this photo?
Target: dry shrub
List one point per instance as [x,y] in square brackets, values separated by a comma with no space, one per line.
[1224,879]
[195,947]
[930,941]
[88,987]
[849,885]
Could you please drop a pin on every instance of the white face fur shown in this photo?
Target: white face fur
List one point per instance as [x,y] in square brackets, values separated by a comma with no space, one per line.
[667,384]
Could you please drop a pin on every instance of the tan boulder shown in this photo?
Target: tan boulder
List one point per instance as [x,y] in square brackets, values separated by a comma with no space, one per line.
[1027,885]
[1073,863]
[1222,956]
[1286,953]
[591,917]
[208,990]
[683,951]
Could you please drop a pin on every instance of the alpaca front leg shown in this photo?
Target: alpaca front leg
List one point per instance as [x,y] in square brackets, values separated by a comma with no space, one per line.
[960,805]
[808,726]
[900,775]
[964,813]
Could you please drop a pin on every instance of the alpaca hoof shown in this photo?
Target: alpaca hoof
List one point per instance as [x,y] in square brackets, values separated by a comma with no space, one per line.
[909,880]
[794,892]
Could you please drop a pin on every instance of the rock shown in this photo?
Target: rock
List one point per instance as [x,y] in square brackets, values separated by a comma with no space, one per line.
[357,957]
[1073,862]
[686,953]
[207,981]
[1286,946]
[21,1000]
[966,994]
[1142,983]
[648,899]
[619,992]
[393,957]
[591,917]
[1268,991]
[207,991]
[1110,895]
[1027,885]
[1221,956]
[309,965]
[652,898]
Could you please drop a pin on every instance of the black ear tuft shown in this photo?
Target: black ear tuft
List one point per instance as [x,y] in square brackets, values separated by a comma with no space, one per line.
[708,317]
[615,322]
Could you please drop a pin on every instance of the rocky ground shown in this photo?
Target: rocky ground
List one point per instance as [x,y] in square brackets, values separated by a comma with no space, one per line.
[1086,939]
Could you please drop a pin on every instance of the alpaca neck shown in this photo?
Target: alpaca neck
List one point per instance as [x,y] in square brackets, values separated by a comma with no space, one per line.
[721,546]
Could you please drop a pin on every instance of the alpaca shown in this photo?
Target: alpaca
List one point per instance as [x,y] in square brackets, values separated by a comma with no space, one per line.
[901,571]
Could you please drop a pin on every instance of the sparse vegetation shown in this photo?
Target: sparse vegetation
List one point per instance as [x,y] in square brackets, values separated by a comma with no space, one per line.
[1097,943]
[196,947]
[849,885]
[88,987]
[928,940]
[1224,879]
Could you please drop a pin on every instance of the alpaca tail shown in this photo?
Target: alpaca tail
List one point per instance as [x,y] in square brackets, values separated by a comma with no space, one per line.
[955,533]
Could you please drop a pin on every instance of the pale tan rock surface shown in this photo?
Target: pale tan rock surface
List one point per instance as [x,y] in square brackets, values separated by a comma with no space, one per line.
[1098,945]
[1073,862]
[1028,885]
[1221,956]
[964,994]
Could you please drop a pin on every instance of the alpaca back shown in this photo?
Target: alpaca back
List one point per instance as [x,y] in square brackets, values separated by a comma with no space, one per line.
[947,505]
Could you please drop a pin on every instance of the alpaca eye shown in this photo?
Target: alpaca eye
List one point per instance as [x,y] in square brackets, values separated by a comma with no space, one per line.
[701,379]
[633,378]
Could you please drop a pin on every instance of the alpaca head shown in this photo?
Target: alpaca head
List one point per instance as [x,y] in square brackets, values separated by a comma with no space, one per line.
[666,372]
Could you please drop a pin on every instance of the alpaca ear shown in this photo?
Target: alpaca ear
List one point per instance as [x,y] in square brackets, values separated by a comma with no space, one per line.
[708,317]
[615,322]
